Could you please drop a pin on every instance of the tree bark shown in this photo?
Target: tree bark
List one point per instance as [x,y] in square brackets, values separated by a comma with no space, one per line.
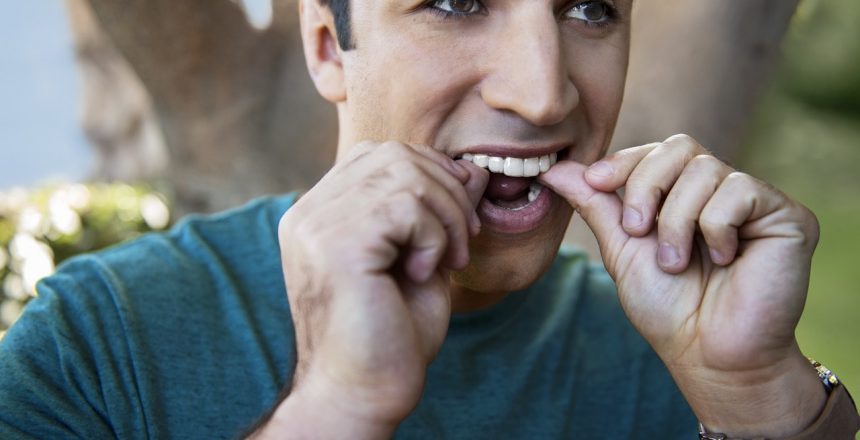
[235,105]
[116,111]
[699,67]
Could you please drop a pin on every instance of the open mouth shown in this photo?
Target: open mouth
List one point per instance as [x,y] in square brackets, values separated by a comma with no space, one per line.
[512,179]
[514,201]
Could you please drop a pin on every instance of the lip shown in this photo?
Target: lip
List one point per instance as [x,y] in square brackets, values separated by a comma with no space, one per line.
[522,220]
[521,152]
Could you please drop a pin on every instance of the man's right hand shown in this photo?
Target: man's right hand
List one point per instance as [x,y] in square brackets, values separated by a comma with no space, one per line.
[366,254]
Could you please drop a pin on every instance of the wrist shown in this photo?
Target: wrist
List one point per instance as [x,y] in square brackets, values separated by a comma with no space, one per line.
[779,402]
[314,413]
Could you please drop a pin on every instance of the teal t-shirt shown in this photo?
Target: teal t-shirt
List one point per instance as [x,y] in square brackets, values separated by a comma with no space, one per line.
[188,335]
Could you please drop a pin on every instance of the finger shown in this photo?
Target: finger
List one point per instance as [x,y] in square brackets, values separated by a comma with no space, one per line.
[475,187]
[611,172]
[453,212]
[393,166]
[430,304]
[456,169]
[740,200]
[651,179]
[676,226]
[448,173]
[600,210]
[406,222]
[366,158]
[431,176]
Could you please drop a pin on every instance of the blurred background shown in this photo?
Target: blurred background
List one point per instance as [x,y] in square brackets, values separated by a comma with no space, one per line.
[118,118]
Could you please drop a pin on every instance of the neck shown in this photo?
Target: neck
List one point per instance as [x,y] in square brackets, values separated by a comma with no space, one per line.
[466,300]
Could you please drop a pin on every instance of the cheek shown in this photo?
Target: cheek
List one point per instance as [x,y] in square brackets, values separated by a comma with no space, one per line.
[414,86]
[599,73]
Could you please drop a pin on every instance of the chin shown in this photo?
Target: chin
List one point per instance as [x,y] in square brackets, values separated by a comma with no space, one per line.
[502,264]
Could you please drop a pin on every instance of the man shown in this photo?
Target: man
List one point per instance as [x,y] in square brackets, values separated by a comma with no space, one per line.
[426,297]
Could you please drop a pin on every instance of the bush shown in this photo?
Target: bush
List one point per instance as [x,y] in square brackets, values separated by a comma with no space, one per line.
[40,228]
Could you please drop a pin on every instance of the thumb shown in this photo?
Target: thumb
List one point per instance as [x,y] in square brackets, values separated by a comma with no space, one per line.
[600,210]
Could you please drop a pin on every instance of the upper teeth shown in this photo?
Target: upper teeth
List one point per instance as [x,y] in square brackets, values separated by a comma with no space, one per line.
[513,166]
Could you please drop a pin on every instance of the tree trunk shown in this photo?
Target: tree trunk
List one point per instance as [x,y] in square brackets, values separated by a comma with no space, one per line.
[116,111]
[235,106]
[699,67]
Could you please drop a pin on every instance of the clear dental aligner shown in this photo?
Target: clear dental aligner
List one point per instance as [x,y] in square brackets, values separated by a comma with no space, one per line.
[513,166]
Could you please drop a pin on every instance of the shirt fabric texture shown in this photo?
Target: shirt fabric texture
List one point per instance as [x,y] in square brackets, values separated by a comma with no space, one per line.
[188,335]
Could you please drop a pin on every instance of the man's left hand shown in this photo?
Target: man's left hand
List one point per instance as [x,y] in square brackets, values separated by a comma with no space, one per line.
[712,268]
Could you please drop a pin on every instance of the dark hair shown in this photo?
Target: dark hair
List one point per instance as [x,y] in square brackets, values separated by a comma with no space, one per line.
[340,10]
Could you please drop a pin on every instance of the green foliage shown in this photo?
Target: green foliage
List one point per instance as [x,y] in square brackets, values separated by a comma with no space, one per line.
[42,227]
[804,140]
[824,61]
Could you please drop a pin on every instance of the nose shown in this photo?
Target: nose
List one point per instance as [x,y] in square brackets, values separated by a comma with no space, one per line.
[529,75]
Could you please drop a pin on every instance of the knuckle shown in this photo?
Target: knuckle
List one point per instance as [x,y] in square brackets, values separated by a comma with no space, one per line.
[681,139]
[640,192]
[394,149]
[399,207]
[809,225]
[703,162]
[294,226]
[706,166]
[408,171]
[376,180]
[421,190]
[428,150]
[739,179]
[411,206]
[686,142]
[407,205]
[674,223]
[712,221]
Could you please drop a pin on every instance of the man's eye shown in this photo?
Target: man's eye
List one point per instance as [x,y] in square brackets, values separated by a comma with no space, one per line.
[458,7]
[591,12]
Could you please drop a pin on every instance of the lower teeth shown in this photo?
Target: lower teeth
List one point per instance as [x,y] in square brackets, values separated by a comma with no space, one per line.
[518,204]
[534,191]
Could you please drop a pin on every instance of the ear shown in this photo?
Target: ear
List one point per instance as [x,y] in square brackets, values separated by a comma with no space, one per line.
[322,53]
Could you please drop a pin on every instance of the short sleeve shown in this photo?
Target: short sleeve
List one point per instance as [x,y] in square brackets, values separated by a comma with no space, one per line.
[64,359]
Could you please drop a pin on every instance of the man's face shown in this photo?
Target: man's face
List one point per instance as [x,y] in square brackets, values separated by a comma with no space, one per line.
[505,78]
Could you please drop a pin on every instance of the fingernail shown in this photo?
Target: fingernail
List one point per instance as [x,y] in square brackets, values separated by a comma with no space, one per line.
[601,169]
[668,255]
[716,257]
[631,219]
[476,223]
